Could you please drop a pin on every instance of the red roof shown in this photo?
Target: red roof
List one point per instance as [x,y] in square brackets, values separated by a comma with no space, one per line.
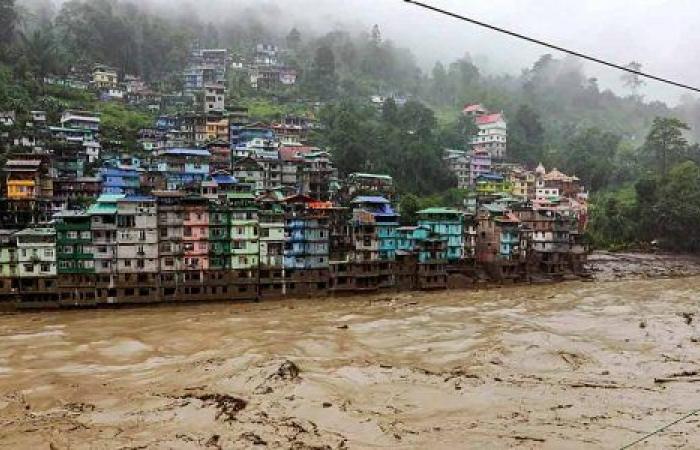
[472,108]
[488,118]
[291,153]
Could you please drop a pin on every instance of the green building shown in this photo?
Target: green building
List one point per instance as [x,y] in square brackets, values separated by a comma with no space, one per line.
[245,248]
[448,224]
[75,250]
[219,235]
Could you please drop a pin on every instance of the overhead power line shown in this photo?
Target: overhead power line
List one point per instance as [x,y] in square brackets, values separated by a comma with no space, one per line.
[552,46]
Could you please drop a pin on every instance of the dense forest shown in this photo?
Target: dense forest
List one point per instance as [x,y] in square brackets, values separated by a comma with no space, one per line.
[638,158]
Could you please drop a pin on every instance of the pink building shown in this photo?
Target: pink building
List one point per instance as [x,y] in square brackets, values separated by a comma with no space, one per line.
[479,163]
[195,235]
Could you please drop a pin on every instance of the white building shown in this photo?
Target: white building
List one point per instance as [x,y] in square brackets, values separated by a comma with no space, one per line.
[492,130]
[80,119]
[137,235]
[214,98]
[36,252]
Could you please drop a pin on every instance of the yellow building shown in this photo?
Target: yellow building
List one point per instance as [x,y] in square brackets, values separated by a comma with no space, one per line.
[104,77]
[217,128]
[21,189]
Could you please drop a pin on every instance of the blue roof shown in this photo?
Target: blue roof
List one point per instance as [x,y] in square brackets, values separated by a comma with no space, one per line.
[186,151]
[490,176]
[224,179]
[138,198]
[113,171]
[369,199]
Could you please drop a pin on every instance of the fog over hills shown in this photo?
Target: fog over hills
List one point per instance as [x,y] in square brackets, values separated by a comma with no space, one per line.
[660,37]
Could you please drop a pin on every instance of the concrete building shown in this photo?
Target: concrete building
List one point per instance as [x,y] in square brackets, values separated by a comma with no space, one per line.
[446,223]
[36,250]
[137,249]
[492,134]
[214,95]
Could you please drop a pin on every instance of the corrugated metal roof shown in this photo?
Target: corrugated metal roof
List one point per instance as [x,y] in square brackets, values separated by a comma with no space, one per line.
[438,210]
[186,151]
[369,199]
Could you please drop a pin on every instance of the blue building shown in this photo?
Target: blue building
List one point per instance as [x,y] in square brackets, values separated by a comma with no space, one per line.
[448,224]
[385,219]
[126,181]
[183,167]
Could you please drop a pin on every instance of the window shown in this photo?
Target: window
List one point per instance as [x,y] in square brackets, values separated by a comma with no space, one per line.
[127,263]
[48,253]
[105,264]
[45,267]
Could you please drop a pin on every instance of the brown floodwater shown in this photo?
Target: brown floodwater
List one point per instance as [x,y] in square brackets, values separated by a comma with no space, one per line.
[569,365]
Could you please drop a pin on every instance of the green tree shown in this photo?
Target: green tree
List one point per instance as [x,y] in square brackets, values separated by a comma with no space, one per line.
[41,50]
[526,136]
[408,207]
[589,155]
[294,39]
[665,142]
[679,207]
[8,20]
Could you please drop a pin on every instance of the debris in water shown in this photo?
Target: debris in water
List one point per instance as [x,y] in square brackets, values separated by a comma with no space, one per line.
[227,405]
[288,371]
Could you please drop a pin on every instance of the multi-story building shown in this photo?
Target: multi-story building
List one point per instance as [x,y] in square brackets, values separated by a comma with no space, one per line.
[245,249]
[369,184]
[75,258]
[183,168]
[103,226]
[500,247]
[36,250]
[319,179]
[9,271]
[272,242]
[458,163]
[385,223]
[217,128]
[421,258]
[492,131]
[370,263]
[171,217]
[36,263]
[214,98]
[205,66]
[120,180]
[306,253]
[195,234]
[137,249]
[104,77]
[219,235]
[220,161]
[293,130]
[81,120]
[448,224]
[479,164]
[248,171]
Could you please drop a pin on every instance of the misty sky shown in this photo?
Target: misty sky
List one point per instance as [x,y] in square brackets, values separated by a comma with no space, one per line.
[661,34]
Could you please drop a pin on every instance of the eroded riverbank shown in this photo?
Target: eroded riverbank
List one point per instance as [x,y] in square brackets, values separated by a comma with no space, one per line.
[569,365]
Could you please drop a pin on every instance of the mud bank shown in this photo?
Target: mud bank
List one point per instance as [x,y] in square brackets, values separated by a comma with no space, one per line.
[606,266]
[568,365]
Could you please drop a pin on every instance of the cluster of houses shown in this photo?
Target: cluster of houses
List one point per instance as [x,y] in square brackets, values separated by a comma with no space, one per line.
[203,79]
[215,206]
[257,213]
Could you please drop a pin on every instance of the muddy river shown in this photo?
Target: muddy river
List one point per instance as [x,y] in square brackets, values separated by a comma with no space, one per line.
[571,365]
